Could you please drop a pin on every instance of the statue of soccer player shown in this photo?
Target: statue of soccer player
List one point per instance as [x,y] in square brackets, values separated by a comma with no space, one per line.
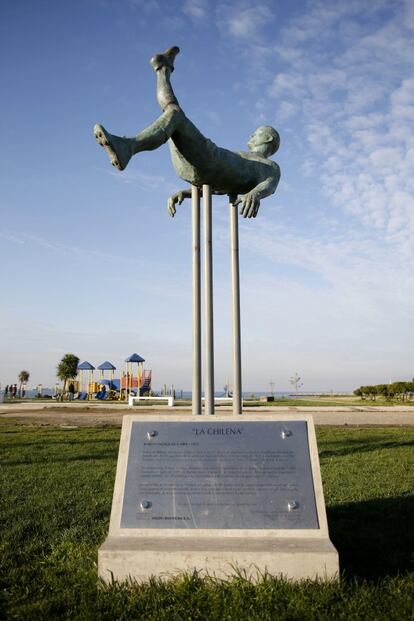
[197,159]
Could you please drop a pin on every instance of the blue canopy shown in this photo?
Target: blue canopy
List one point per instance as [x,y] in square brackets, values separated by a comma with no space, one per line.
[106,366]
[85,366]
[134,358]
[110,383]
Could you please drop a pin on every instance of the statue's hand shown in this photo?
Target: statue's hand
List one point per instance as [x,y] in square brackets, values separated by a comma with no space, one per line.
[178,197]
[250,204]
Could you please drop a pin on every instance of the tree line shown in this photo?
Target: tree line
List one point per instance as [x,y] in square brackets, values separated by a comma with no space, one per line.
[403,391]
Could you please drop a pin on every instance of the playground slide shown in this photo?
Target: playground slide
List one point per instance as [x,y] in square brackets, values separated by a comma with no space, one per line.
[146,386]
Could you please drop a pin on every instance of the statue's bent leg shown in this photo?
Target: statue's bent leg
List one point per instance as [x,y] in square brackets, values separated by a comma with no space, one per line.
[158,132]
[120,149]
[117,147]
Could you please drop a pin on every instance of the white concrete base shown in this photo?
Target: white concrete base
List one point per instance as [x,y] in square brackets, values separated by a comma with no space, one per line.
[140,558]
[132,400]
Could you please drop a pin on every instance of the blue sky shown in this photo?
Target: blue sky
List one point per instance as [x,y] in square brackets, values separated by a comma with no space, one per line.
[90,261]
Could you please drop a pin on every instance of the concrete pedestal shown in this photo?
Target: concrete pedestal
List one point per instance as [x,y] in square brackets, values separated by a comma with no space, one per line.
[296,559]
[139,553]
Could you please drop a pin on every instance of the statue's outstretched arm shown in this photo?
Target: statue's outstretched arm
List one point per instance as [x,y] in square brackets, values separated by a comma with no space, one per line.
[250,202]
[178,197]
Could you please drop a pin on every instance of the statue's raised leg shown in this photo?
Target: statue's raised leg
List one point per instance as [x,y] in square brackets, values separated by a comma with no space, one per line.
[121,149]
[187,144]
[163,65]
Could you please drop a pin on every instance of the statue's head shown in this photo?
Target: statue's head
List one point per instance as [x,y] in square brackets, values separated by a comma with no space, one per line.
[265,141]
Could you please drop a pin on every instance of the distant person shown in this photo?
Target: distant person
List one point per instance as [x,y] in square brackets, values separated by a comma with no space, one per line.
[197,159]
[6,391]
[102,392]
[71,391]
[14,392]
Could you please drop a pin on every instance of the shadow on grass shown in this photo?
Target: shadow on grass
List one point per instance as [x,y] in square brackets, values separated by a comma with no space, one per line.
[374,538]
[357,446]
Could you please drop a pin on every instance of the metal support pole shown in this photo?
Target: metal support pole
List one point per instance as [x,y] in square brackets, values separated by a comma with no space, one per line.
[208,303]
[235,288]
[196,386]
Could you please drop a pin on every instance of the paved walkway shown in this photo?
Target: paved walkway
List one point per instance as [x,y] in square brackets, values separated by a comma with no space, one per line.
[98,414]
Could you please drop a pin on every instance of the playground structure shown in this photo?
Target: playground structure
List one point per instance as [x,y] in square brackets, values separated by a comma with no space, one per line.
[132,381]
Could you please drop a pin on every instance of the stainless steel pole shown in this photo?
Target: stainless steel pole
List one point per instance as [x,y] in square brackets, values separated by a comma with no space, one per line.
[208,303]
[235,288]
[196,386]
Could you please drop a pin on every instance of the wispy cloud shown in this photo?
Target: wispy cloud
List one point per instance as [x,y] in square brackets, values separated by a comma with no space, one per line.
[65,249]
[139,178]
[243,21]
[11,238]
[347,83]
[196,9]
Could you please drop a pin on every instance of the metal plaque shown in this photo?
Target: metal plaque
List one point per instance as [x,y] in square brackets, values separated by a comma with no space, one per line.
[219,475]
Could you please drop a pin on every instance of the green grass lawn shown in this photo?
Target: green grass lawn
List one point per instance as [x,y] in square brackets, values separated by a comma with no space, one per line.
[56,490]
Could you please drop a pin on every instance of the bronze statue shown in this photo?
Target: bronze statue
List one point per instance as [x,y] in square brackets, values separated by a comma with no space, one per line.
[197,159]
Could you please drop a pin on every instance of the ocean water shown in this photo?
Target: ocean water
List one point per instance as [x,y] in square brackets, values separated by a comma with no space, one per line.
[31,394]
[186,394]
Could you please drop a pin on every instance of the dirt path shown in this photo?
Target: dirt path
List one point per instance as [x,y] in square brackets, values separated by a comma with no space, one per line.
[106,414]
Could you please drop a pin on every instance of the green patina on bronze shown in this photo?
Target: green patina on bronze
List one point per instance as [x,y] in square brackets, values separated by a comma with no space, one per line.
[195,158]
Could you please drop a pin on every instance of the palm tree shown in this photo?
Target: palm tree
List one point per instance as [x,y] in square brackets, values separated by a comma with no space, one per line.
[67,369]
[23,379]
